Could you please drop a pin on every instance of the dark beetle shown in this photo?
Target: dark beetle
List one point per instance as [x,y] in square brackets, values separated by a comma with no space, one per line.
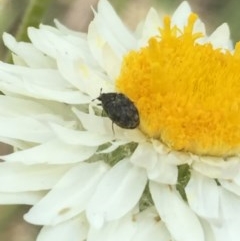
[120,109]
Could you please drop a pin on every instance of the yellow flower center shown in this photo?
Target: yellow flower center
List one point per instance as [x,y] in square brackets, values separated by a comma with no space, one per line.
[187,94]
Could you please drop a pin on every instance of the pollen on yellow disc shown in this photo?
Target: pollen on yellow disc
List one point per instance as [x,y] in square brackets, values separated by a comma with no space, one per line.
[187,94]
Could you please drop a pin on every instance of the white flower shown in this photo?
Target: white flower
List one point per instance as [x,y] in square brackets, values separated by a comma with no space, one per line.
[175,177]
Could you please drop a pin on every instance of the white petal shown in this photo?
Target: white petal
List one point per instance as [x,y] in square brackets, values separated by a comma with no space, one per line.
[26,198]
[104,125]
[181,14]
[75,230]
[199,27]
[35,83]
[16,177]
[150,27]
[89,79]
[103,53]
[144,156]
[158,167]
[222,232]
[117,193]
[220,38]
[93,123]
[141,226]
[215,168]
[230,186]
[236,178]
[84,138]
[31,130]
[26,51]
[228,227]
[69,196]
[52,152]
[163,172]
[203,196]
[43,110]
[160,147]
[17,60]
[230,205]
[208,231]
[121,229]
[111,64]
[96,43]
[134,135]
[37,113]
[112,29]
[170,156]
[177,158]
[150,227]
[54,43]
[12,106]
[181,222]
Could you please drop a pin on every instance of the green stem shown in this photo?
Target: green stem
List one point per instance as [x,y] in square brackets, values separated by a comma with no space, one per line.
[33,17]
[183,179]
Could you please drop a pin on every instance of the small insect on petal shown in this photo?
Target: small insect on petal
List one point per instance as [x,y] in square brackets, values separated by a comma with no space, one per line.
[120,109]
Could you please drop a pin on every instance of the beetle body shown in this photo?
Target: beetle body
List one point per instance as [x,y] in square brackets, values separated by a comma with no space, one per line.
[120,109]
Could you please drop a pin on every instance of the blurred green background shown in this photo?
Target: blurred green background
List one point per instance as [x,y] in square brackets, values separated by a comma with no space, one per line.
[76,14]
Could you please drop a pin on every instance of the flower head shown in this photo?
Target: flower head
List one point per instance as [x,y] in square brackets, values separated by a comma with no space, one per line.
[176,176]
[176,93]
